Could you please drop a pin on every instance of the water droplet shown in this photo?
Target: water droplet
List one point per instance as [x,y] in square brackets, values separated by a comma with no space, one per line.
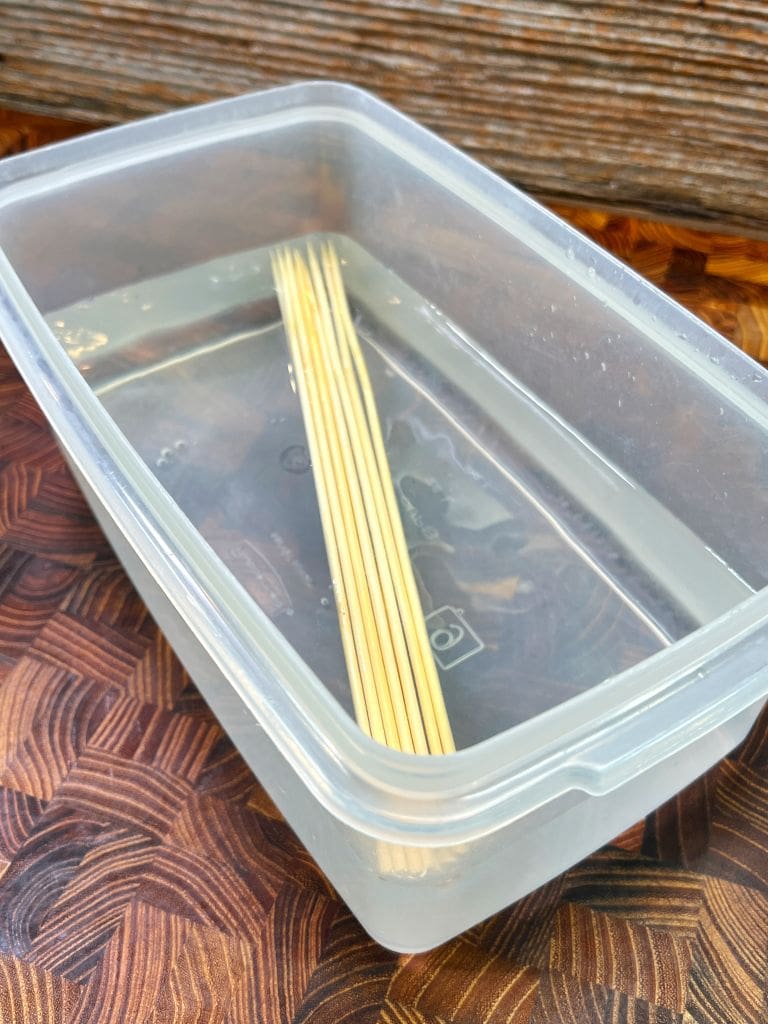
[570,253]
[214,279]
[619,403]
[125,297]
[58,323]
[552,307]
[591,271]
[682,336]
[586,355]
[161,462]
[325,601]
[603,367]
[714,359]
[756,378]
[722,411]
[181,445]
[146,306]
[394,300]
[289,611]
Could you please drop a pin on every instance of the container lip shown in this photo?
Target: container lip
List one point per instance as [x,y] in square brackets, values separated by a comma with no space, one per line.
[427,801]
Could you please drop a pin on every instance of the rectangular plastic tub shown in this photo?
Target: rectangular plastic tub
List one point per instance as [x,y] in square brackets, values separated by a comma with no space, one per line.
[581,469]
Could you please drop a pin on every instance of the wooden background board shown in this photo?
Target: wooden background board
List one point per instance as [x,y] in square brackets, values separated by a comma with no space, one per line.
[146,878]
[659,106]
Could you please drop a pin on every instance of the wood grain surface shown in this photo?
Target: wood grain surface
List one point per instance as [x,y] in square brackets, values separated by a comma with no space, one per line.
[657,106]
[146,878]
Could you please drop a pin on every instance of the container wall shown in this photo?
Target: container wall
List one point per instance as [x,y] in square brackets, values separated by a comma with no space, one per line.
[682,437]
[597,366]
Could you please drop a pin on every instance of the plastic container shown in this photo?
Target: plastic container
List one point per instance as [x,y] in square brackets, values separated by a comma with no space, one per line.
[581,467]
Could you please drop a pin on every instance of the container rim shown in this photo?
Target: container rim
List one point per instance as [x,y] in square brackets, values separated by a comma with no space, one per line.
[584,743]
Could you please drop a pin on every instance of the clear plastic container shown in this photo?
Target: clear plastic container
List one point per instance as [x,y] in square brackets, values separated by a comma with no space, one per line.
[580,466]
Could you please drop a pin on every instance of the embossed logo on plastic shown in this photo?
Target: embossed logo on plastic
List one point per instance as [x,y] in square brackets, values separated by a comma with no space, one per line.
[451,637]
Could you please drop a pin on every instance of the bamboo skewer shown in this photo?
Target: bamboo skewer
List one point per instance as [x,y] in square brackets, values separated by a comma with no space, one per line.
[338,555]
[413,737]
[427,680]
[395,687]
[355,482]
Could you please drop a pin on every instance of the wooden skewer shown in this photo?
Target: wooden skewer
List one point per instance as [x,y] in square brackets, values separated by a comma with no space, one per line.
[348,486]
[404,695]
[395,687]
[427,680]
[356,653]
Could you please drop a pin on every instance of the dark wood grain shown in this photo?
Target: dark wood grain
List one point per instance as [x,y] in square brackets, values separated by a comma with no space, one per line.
[146,878]
[658,106]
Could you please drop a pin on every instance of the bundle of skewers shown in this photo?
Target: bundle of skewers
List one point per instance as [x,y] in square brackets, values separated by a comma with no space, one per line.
[395,687]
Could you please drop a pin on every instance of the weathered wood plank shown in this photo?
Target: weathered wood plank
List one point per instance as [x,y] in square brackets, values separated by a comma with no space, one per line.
[659,107]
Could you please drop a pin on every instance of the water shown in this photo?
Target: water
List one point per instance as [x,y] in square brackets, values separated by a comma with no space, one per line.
[530,596]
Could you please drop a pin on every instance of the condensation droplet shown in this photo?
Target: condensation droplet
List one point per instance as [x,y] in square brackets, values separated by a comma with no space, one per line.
[570,253]
[603,367]
[325,601]
[591,271]
[181,445]
[146,306]
[715,359]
